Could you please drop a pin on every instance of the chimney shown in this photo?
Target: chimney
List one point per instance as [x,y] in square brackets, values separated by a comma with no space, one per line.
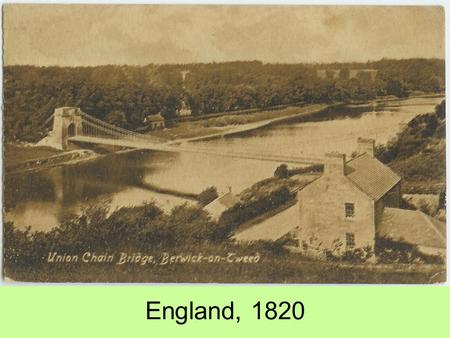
[366,145]
[334,164]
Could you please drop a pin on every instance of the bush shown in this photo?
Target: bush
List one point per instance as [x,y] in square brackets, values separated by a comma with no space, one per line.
[282,171]
[207,196]
[389,251]
[339,254]
[129,227]
[417,154]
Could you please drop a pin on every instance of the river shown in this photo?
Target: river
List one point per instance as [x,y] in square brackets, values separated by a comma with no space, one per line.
[42,199]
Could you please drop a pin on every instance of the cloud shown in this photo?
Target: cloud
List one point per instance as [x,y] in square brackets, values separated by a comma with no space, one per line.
[125,34]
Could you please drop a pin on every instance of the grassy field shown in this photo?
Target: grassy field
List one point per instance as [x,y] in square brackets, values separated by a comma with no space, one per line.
[15,154]
[185,130]
[225,123]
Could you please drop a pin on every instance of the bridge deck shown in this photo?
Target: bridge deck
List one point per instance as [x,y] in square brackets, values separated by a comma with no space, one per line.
[132,143]
[142,144]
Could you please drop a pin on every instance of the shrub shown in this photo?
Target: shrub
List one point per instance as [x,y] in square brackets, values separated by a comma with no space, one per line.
[339,254]
[207,196]
[137,227]
[389,251]
[282,171]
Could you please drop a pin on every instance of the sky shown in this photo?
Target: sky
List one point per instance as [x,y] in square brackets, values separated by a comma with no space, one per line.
[83,35]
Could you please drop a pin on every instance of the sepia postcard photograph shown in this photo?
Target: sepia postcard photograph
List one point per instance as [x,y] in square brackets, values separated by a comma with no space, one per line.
[282,144]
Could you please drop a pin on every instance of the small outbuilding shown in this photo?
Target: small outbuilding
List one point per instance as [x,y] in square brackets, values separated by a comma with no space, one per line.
[155,121]
[184,110]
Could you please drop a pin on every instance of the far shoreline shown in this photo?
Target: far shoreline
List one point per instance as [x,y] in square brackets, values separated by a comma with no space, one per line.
[60,158]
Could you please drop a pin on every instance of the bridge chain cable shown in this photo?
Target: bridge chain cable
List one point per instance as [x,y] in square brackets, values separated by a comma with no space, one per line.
[110,130]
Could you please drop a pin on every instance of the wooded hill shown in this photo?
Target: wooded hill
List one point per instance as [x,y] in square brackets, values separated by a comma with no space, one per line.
[418,153]
[124,95]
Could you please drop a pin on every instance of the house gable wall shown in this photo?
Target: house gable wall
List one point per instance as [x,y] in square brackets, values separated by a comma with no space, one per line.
[322,214]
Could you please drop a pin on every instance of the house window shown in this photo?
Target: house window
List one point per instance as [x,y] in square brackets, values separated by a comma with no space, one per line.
[349,210]
[350,240]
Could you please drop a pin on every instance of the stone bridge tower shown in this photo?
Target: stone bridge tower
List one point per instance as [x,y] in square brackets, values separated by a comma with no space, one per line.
[67,122]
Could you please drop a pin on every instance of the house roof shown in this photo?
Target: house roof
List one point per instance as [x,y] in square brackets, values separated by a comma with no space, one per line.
[154,118]
[227,200]
[412,226]
[371,176]
[271,228]
[220,204]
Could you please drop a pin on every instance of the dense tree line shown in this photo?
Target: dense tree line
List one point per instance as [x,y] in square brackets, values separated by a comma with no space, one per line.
[124,95]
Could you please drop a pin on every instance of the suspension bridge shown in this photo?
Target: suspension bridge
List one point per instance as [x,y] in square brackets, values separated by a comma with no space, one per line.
[73,126]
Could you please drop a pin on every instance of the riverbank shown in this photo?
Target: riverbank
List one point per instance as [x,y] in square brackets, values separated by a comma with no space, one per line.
[28,158]
[14,154]
[231,124]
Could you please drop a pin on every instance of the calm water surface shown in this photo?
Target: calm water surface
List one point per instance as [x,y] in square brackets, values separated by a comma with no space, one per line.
[42,199]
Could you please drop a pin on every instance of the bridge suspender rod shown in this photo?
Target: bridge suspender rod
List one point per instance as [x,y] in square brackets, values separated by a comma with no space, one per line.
[111,127]
[96,130]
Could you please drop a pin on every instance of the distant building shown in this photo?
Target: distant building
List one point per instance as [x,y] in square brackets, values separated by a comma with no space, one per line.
[221,204]
[183,75]
[155,121]
[184,110]
[324,73]
[352,73]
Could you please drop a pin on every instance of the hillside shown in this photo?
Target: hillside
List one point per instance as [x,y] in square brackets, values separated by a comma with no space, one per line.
[418,153]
